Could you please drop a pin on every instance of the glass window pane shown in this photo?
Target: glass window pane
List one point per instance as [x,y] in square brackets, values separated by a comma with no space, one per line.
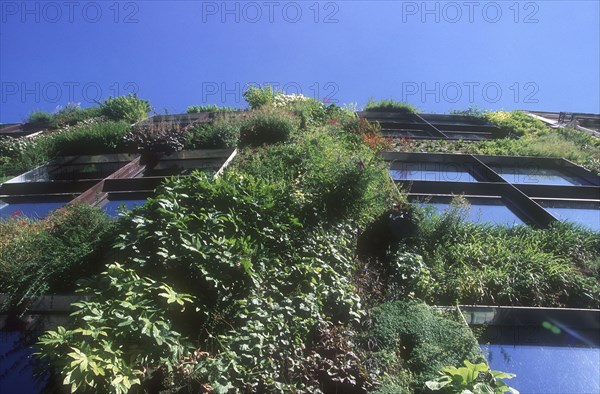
[439,172]
[53,172]
[584,213]
[537,176]
[31,210]
[18,367]
[481,210]
[547,369]
[112,206]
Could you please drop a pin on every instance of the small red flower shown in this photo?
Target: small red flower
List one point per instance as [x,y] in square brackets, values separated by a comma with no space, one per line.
[17,213]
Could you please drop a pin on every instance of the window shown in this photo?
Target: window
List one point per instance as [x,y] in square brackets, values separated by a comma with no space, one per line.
[505,190]
[480,210]
[584,213]
[537,175]
[438,172]
[550,350]
[106,181]
[432,126]
[75,168]
[32,209]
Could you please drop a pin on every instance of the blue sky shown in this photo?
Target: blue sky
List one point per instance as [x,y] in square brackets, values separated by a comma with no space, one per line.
[438,56]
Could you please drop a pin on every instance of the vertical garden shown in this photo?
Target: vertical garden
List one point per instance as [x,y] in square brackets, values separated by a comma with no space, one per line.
[285,273]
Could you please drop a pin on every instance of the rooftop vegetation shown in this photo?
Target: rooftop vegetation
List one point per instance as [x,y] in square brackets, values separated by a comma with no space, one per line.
[524,136]
[196,109]
[279,275]
[390,105]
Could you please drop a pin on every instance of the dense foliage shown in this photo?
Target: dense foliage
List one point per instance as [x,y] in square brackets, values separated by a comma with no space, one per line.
[389,105]
[413,341]
[196,109]
[38,257]
[157,137]
[261,280]
[18,155]
[68,115]
[474,378]
[123,337]
[284,274]
[222,132]
[129,108]
[268,125]
[495,265]
[259,96]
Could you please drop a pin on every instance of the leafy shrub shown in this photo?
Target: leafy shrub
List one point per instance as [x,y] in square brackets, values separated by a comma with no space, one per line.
[129,108]
[268,126]
[475,378]
[48,256]
[331,178]
[161,137]
[69,115]
[123,336]
[24,154]
[333,362]
[390,105]
[19,155]
[39,117]
[263,283]
[223,132]
[259,96]
[425,339]
[515,123]
[311,112]
[90,139]
[495,265]
[72,114]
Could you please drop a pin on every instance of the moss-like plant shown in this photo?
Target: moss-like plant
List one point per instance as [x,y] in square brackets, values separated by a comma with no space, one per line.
[259,96]
[129,108]
[390,105]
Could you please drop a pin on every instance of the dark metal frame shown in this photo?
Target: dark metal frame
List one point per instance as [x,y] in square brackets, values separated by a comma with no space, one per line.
[432,126]
[129,178]
[520,198]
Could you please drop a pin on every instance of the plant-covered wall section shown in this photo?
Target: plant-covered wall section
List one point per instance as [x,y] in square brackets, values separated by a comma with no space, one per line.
[302,268]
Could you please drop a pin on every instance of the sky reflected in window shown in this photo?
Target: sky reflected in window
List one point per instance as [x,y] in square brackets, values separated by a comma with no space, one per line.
[438,172]
[584,213]
[482,210]
[31,210]
[537,176]
[112,207]
[547,369]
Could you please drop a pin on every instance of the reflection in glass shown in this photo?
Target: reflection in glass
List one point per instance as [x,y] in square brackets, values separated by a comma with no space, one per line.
[68,172]
[31,210]
[438,172]
[481,210]
[547,369]
[537,176]
[113,207]
[584,213]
